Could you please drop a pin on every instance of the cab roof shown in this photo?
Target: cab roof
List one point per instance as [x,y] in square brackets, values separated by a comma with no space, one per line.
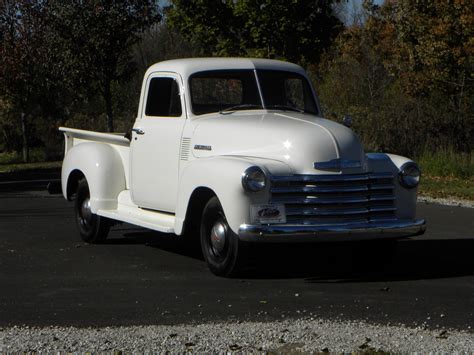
[189,66]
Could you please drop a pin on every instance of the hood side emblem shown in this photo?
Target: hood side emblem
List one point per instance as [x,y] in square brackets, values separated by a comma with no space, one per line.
[202,147]
[337,164]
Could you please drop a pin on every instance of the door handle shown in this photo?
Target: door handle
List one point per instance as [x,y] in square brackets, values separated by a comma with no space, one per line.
[138,131]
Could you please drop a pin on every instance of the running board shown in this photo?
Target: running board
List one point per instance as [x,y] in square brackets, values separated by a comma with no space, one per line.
[128,212]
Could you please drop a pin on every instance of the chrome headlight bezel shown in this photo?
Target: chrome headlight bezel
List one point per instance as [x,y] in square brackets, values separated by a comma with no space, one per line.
[254,179]
[409,175]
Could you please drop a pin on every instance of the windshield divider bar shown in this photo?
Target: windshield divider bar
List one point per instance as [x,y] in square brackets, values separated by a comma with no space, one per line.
[259,89]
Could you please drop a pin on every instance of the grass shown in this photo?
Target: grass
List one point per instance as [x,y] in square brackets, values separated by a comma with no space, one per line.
[435,186]
[36,155]
[447,163]
[14,167]
[12,161]
[447,174]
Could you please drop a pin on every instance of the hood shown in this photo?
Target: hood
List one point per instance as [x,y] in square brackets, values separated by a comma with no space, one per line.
[295,139]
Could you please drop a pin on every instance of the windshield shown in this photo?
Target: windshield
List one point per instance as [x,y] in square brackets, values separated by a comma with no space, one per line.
[286,91]
[214,91]
[231,90]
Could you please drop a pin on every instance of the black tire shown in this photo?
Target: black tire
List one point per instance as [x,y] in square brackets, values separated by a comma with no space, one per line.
[221,248]
[92,228]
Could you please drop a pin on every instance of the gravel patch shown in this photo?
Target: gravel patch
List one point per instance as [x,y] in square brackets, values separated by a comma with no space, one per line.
[447,201]
[289,336]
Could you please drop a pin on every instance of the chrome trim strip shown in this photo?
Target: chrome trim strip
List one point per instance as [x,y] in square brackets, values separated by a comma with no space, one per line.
[337,211]
[325,221]
[382,187]
[315,200]
[331,178]
[285,233]
[382,198]
[337,164]
[330,189]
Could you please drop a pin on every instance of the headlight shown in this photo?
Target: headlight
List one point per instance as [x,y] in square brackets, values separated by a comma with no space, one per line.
[409,175]
[254,179]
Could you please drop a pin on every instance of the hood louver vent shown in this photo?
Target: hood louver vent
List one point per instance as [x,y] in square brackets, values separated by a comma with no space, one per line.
[185,147]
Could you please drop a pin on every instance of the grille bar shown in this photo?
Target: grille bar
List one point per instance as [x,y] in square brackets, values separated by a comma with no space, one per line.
[340,221]
[331,189]
[314,200]
[337,211]
[332,178]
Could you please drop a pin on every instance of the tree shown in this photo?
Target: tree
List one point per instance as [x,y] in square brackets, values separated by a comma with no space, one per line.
[22,58]
[296,30]
[96,38]
[435,57]
[406,70]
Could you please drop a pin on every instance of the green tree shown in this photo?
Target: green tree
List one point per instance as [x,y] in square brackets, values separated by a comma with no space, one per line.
[96,39]
[296,30]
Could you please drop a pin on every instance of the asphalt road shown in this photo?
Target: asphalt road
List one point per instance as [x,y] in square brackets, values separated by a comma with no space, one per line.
[49,277]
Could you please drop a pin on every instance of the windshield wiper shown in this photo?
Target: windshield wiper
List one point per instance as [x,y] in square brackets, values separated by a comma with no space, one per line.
[285,107]
[231,109]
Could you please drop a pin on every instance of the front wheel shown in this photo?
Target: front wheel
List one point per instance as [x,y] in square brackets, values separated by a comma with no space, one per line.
[224,253]
[92,228]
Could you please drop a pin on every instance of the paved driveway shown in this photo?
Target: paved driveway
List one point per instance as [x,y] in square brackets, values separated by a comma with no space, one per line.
[49,277]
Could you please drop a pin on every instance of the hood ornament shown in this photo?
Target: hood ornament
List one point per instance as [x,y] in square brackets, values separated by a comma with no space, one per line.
[337,164]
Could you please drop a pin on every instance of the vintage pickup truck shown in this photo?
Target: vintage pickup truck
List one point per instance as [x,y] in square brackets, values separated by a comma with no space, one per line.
[235,151]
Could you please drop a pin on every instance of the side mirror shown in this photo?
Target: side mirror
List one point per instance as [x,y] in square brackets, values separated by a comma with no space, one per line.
[347,121]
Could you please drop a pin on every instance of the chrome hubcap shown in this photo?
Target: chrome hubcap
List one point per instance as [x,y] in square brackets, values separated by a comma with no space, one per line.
[218,237]
[86,212]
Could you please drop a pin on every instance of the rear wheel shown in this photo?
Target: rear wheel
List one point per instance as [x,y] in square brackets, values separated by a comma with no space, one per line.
[224,253]
[92,228]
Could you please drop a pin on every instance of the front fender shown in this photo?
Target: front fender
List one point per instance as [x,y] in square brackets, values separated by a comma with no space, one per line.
[102,166]
[223,176]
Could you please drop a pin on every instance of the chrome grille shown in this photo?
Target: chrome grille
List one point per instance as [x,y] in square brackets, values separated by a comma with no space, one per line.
[332,199]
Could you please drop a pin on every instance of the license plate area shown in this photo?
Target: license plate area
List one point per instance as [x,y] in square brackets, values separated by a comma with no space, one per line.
[268,214]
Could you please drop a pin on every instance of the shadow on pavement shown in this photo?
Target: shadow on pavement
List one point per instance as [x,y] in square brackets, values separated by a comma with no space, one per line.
[337,263]
[166,242]
[363,262]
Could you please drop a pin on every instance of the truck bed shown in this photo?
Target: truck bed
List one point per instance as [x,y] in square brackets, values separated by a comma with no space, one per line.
[118,141]
[75,136]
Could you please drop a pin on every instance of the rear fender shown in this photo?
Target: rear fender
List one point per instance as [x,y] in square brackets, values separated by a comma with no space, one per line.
[102,167]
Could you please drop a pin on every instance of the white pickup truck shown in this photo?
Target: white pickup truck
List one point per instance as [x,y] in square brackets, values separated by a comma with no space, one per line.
[235,151]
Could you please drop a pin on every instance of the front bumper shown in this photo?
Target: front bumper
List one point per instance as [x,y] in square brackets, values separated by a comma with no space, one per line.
[284,233]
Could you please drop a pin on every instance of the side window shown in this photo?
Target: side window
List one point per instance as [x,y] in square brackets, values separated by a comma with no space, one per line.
[163,98]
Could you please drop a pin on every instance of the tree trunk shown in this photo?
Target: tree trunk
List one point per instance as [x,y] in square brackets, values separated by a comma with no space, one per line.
[24,133]
[108,106]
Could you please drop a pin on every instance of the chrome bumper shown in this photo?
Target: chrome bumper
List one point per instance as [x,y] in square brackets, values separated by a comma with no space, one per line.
[284,233]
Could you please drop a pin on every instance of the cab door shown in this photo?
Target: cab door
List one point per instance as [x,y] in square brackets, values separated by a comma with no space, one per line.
[155,145]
